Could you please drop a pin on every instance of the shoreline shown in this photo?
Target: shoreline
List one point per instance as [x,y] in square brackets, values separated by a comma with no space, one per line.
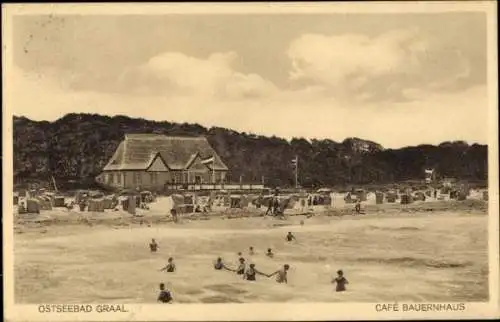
[50,219]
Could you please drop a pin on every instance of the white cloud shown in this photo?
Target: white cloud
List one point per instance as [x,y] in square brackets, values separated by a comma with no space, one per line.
[179,74]
[431,118]
[347,62]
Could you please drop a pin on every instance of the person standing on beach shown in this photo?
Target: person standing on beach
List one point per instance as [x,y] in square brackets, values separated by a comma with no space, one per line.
[281,275]
[153,246]
[173,212]
[358,207]
[165,295]
[269,207]
[170,268]
[341,281]
[276,206]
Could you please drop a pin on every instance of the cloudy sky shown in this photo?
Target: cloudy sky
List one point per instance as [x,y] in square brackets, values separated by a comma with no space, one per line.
[397,79]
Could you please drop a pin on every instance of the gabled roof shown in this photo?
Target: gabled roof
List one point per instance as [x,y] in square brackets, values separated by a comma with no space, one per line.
[137,151]
[156,156]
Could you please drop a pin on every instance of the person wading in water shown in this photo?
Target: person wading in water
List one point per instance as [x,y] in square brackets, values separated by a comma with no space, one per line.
[281,275]
[170,268]
[241,267]
[219,265]
[165,295]
[341,281]
[153,246]
[290,237]
[251,273]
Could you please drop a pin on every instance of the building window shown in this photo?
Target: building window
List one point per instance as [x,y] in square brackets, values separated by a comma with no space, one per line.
[119,178]
[111,178]
[177,177]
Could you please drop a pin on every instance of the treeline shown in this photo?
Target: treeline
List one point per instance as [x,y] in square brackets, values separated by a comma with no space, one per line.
[79,145]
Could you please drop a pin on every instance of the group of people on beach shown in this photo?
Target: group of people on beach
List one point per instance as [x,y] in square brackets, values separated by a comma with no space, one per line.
[249,273]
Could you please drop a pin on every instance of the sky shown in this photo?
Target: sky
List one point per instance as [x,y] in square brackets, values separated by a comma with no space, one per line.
[396,79]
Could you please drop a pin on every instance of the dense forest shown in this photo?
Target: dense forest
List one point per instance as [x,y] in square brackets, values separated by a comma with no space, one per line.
[79,145]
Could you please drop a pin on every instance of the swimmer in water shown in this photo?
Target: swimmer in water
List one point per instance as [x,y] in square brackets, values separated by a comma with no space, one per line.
[241,267]
[251,251]
[165,295]
[219,265]
[290,237]
[281,275]
[341,281]
[251,272]
[240,257]
[153,246]
[270,253]
[170,268]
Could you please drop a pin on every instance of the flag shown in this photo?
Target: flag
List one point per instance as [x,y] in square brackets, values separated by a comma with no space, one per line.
[210,160]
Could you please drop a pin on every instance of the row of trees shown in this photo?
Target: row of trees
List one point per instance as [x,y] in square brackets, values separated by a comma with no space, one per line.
[79,145]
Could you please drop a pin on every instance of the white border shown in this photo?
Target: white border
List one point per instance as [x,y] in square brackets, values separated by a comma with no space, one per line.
[268,312]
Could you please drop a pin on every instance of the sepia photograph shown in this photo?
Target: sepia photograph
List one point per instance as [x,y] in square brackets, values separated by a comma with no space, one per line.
[235,159]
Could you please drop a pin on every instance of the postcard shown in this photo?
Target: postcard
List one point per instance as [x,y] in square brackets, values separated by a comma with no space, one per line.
[246,162]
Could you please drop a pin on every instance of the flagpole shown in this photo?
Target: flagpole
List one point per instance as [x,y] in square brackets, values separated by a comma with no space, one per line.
[296,172]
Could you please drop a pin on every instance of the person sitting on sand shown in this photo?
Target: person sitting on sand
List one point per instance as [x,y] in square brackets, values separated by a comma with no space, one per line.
[251,272]
[290,236]
[219,265]
[341,281]
[153,246]
[281,275]
[270,253]
[165,295]
[241,267]
[170,268]
[251,251]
